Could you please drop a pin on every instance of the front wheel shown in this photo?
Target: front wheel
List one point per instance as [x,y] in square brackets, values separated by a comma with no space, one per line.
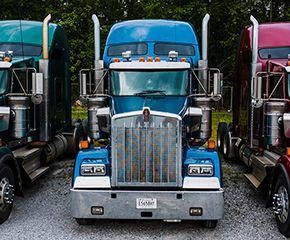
[210,223]
[281,205]
[6,192]
[221,130]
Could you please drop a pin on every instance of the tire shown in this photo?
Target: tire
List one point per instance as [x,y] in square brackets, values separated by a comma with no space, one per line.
[222,128]
[210,223]
[283,219]
[83,221]
[227,146]
[6,178]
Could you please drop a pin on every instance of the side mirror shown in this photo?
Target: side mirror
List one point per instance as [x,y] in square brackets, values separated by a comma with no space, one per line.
[4,118]
[83,84]
[257,89]
[37,83]
[286,124]
[217,84]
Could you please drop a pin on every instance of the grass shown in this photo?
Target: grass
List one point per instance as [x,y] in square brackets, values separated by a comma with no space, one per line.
[219,117]
[79,113]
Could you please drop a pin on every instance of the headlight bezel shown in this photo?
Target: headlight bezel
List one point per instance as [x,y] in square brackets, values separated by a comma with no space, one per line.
[206,170]
[93,169]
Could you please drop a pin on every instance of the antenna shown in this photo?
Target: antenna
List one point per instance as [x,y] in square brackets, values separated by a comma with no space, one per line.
[20,25]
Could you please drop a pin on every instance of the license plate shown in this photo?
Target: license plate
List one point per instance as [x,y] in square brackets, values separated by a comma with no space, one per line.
[146,203]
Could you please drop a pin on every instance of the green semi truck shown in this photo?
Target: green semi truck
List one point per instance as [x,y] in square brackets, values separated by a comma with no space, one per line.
[35,108]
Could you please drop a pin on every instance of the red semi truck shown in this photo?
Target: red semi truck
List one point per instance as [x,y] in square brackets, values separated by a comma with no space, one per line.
[260,132]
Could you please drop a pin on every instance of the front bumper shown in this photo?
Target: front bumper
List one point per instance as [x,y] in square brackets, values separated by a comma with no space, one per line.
[171,205]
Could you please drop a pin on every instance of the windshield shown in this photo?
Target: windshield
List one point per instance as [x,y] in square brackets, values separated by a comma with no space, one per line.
[21,49]
[3,81]
[274,53]
[140,83]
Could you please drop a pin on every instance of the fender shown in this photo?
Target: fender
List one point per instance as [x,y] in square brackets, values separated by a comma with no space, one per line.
[6,157]
[282,167]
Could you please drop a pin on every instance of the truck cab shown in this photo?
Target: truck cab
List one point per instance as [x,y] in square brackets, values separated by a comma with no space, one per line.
[259,134]
[147,121]
[35,109]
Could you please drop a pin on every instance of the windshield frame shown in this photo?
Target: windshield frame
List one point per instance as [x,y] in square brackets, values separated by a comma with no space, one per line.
[187,88]
[5,90]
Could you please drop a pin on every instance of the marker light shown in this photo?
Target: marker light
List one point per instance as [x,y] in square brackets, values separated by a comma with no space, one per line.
[7,59]
[149,59]
[116,60]
[288,151]
[157,59]
[84,144]
[141,59]
[211,144]
[183,60]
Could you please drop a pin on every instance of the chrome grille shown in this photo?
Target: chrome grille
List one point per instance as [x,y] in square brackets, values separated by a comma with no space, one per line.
[146,154]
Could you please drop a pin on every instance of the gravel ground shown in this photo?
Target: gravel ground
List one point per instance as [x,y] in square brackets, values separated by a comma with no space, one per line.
[44,214]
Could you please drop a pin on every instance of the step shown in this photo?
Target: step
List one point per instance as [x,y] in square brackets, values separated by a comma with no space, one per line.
[29,158]
[262,161]
[26,152]
[256,183]
[37,173]
[271,156]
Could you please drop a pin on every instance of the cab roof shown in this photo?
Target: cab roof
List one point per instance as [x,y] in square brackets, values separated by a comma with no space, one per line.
[152,31]
[272,34]
[31,32]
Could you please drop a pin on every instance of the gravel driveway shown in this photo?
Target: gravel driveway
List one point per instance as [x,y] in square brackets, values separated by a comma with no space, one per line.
[44,214]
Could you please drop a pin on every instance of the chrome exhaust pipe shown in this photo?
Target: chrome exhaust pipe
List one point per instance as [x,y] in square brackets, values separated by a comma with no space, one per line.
[255,38]
[98,63]
[204,36]
[203,63]
[45,36]
[44,130]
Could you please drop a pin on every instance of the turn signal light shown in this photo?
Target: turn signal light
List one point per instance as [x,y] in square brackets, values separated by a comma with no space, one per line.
[211,144]
[116,60]
[84,144]
[141,59]
[183,60]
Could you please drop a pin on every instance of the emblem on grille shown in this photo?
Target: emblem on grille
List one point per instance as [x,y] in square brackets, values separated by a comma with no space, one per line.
[146,114]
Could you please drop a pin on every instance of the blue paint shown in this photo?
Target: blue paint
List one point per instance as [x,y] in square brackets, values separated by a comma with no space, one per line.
[170,104]
[200,155]
[98,155]
[151,32]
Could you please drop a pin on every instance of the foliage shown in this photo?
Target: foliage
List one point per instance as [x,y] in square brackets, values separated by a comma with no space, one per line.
[228,17]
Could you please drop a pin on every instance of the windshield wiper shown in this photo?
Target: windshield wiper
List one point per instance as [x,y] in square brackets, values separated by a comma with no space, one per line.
[145,92]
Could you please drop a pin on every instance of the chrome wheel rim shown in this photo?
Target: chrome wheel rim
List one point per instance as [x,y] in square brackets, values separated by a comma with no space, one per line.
[281,204]
[6,193]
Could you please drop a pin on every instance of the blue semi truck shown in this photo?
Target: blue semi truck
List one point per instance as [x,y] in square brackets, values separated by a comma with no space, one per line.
[148,153]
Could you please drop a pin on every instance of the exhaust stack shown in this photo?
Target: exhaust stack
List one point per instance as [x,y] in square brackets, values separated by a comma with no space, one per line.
[98,63]
[255,38]
[44,117]
[203,63]
[204,36]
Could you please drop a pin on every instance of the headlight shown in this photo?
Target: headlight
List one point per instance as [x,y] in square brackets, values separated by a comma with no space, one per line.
[93,169]
[200,170]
